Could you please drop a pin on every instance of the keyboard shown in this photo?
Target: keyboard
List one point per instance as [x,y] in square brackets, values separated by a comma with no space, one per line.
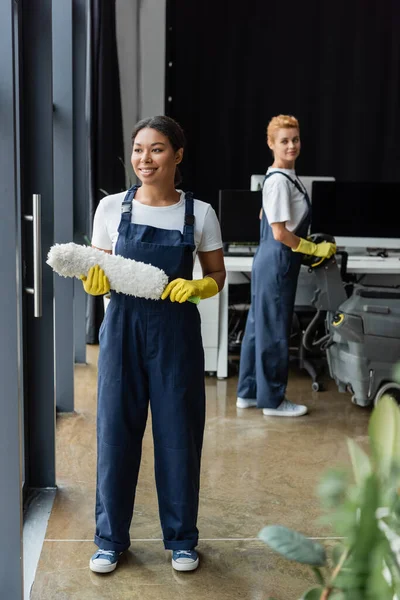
[368,258]
[240,250]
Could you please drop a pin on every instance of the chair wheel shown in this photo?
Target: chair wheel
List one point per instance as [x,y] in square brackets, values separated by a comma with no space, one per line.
[316,387]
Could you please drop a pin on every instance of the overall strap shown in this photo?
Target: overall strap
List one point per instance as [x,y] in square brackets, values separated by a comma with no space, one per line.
[307,216]
[126,206]
[294,181]
[188,228]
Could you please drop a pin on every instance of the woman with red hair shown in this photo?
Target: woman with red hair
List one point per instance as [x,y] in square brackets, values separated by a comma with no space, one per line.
[285,220]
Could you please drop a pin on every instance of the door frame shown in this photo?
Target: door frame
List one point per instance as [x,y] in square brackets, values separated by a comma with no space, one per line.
[11,566]
[36,160]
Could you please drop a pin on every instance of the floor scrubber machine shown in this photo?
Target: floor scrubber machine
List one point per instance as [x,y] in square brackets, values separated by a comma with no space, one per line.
[362,337]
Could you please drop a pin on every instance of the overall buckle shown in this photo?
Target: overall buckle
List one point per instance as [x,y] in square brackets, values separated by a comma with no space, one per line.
[126,207]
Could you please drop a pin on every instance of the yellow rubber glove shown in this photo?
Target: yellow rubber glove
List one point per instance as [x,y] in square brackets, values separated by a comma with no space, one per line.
[96,283]
[181,290]
[322,250]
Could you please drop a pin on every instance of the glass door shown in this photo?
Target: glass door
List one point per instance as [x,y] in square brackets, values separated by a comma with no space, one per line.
[27,393]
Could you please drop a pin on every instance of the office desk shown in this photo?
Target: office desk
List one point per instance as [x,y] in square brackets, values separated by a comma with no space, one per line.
[362,265]
[214,311]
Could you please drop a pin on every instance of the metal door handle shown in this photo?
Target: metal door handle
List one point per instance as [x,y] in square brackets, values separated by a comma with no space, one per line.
[36,219]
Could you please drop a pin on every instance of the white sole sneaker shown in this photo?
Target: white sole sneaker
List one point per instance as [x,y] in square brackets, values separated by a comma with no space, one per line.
[275,412]
[246,403]
[185,566]
[102,568]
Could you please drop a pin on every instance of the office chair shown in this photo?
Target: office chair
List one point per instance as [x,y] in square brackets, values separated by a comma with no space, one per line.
[312,362]
[304,311]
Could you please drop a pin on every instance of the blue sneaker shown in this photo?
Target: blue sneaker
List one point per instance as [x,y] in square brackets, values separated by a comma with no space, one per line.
[185,560]
[104,561]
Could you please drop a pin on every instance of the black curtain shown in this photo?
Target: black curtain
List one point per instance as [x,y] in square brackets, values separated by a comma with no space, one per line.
[106,170]
[230,67]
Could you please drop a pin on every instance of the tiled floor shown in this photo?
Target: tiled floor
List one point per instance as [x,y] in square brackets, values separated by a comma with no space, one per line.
[256,471]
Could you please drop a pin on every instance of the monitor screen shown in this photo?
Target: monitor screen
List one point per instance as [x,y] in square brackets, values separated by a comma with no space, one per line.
[357,214]
[239,216]
[256,182]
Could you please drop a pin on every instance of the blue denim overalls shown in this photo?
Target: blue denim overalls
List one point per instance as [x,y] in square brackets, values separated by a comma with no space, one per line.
[150,352]
[264,358]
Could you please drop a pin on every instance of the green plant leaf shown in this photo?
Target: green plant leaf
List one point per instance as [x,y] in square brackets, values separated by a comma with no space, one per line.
[360,461]
[378,587]
[313,594]
[293,545]
[391,562]
[363,539]
[368,533]
[384,433]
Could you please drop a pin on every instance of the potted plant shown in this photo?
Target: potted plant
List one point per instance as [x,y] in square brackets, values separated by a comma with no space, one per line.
[365,512]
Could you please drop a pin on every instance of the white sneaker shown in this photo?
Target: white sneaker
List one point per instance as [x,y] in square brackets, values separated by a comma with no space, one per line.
[246,402]
[286,409]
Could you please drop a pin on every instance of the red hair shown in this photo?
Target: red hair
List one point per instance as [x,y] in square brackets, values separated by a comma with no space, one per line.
[281,122]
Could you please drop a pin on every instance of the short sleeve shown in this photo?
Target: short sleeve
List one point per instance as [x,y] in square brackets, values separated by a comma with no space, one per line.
[276,199]
[100,236]
[211,234]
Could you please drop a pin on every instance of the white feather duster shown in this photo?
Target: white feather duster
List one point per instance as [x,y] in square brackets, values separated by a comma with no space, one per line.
[125,275]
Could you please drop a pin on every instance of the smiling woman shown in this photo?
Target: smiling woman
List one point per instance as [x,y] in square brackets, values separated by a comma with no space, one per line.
[157,148]
[151,350]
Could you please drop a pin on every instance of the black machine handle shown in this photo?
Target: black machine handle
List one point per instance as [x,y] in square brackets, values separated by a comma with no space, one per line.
[343,264]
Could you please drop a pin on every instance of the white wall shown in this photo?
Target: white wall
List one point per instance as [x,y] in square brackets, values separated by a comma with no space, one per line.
[140,26]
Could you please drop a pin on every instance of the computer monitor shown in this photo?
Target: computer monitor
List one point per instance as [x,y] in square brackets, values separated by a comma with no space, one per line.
[256,182]
[359,215]
[239,212]
[308,180]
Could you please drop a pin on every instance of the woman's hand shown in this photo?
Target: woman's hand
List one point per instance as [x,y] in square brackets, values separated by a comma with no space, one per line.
[180,290]
[322,250]
[96,283]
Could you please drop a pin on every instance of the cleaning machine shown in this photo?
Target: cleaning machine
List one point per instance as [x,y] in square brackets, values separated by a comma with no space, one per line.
[362,337]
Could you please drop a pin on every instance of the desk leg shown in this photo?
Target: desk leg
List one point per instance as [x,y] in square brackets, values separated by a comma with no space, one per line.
[222,366]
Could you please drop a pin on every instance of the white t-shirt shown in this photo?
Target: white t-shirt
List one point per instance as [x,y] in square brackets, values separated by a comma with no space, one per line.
[282,201]
[207,232]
